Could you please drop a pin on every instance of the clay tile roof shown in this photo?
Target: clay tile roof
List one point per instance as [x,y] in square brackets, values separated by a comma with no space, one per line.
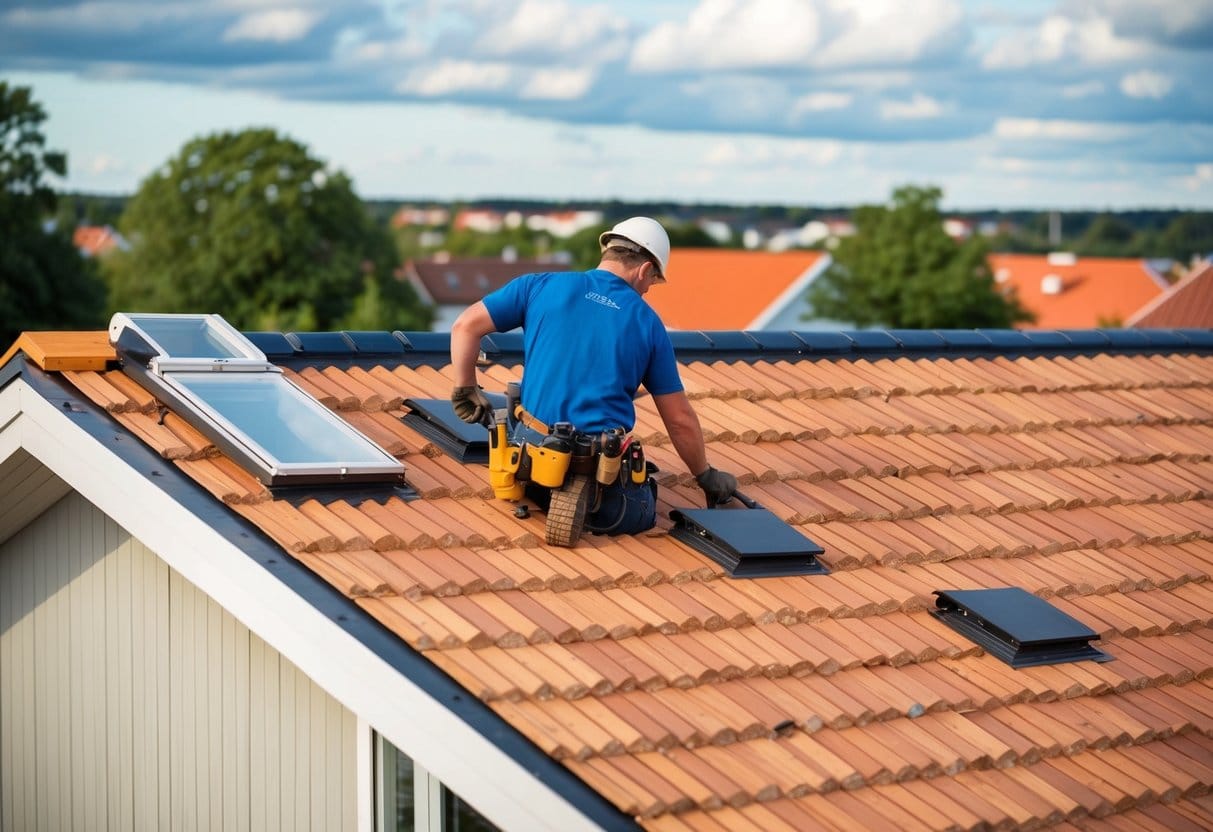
[465,280]
[1095,291]
[691,700]
[725,289]
[1189,303]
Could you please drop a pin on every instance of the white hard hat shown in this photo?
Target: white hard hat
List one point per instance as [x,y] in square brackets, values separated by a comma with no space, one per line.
[645,233]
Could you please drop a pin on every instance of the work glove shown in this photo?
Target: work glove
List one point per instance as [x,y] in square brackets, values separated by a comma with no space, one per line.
[471,405]
[718,486]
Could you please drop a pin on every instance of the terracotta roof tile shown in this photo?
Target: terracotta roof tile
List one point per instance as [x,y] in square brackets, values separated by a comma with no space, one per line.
[701,702]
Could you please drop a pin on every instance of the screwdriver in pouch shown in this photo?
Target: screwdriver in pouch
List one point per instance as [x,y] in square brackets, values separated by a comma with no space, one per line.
[636,466]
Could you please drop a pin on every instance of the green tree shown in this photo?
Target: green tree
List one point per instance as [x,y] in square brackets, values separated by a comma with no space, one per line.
[901,270]
[44,282]
[250,226]
[1107,236]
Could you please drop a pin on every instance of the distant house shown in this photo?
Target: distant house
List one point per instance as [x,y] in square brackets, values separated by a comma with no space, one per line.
[563,224]
[717,289]
[1189,303]
[451,284]
[408,215]
[1069,292]
[98,240]
[483,220]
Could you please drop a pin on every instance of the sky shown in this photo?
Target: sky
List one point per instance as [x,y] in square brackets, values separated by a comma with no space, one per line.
[1044,104]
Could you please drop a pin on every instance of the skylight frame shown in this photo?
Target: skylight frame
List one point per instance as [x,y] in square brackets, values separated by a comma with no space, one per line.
[244,355]
[181,383]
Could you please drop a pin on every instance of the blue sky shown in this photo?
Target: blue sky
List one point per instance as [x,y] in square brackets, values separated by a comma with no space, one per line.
[1064,103]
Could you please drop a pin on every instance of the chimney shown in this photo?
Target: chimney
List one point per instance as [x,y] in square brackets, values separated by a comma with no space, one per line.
[1051,284]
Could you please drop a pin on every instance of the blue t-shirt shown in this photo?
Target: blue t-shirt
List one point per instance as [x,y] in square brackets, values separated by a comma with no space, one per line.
[589,342]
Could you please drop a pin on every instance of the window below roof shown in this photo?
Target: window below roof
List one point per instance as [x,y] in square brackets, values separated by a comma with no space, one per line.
[410,799]
[223,385]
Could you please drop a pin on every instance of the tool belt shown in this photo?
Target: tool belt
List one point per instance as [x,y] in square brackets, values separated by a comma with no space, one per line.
[564,450]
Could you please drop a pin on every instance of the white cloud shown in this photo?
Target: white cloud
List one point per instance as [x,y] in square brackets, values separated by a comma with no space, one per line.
[449,77]
[765,154]
[732,34]
[1200,179]
[559,84]
[1083,90]
[1058,38]
[104,163]
[882,32]
[1057,129]
[818,101]
[1166,17]
[277,25]
[753,34]
[919,106]
[1146,84]
[553,26]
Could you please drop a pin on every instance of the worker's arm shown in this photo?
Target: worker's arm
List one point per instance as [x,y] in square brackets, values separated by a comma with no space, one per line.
[467,399]
[682,425]
[472,324]
[685,432]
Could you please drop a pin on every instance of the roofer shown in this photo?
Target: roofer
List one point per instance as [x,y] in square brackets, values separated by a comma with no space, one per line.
[590,341]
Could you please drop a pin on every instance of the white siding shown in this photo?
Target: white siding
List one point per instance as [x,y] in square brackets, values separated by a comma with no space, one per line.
[131,700]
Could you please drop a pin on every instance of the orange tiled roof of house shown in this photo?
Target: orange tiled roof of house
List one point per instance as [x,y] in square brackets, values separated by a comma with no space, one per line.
[465,280]
[690,700]
[94,240]
[725,289]
[1093,291]
[1189,303]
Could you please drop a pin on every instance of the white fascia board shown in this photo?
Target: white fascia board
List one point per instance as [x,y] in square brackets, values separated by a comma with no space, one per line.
[791,294]
[408,716]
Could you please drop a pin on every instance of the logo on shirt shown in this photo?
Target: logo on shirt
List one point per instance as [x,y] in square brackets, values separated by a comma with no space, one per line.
[603,299]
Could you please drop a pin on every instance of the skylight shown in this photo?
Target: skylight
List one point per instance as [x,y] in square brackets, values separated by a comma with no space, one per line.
[219,382]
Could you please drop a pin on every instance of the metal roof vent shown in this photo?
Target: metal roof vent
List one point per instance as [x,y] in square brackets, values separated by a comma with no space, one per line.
[1016,626]
[435,419]
[749,543]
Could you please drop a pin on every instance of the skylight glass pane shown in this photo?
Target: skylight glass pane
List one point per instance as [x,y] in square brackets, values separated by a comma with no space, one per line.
[187,336]
[276,416]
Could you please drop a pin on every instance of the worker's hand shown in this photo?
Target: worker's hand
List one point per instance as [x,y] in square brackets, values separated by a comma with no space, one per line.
[471,405]
[718,486]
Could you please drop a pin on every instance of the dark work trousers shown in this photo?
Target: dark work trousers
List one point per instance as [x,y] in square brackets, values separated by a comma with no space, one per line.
[624,508]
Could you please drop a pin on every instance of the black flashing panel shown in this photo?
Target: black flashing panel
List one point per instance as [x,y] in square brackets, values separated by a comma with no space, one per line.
[502,342]
[731,341]
[748,543]
[1005,340]
[435,419]
[375,343]
[1163,339]
[685,340]
[321,343]
[873,340]
[964,339]
[919,340]
[1088,339]
[774,341]
[1197,337]
[1016,626]
[1046,339]
[425,341]
[273,344]
[1126,338]
[825,343]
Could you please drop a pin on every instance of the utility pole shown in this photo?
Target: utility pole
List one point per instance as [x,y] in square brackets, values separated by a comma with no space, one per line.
[1055,229]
